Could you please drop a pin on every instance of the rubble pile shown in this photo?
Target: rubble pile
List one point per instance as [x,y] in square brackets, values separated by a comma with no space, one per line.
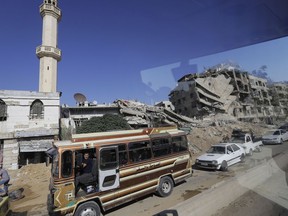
[202,133]
[139,114]
[201,138]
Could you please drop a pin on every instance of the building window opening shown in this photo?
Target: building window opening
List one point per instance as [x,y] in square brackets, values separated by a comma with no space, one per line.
[37,110]
[3,111]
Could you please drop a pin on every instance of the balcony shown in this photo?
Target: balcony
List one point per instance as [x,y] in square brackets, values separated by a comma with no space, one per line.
[48,51]
[50,9]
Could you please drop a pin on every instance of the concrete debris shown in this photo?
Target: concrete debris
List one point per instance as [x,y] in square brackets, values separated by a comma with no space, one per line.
[141,115]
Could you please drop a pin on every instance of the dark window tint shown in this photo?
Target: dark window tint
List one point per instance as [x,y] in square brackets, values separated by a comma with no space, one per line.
[161,147]
[235,147]
[248,139]
[123,158]
[229,149]
[67,164]
[179,143]
[139,151]
[108,159]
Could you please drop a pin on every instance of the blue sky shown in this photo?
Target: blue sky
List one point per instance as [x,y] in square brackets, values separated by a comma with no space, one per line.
[121,49]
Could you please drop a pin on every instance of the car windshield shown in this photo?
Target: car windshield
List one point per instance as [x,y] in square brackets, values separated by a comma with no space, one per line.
[273,132]
[238,139]
[217,150]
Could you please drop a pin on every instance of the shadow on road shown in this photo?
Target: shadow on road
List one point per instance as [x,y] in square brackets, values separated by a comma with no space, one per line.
[169,212]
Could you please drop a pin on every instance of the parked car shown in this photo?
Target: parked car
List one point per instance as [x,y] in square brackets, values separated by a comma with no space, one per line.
[277,136]
[247,141]
[221,156]
[284,127]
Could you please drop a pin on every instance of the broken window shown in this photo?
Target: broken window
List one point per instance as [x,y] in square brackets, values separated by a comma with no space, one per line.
[37,110]
[3,111]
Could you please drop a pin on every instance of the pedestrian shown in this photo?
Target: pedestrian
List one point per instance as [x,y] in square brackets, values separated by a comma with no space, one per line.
[4,179]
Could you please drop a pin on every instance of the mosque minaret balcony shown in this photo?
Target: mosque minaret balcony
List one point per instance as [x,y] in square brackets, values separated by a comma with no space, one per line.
[48,51]
[50,9]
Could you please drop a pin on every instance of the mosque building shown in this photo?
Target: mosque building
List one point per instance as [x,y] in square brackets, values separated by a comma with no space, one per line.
[29,120]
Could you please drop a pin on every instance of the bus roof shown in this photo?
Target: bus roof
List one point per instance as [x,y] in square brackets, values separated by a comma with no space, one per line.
[91,139]
[122,133]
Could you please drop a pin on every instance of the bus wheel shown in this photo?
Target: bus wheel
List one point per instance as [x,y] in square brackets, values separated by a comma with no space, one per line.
[88,209]
[165,187]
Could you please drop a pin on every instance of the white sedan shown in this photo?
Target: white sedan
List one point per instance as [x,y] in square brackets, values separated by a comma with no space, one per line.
[220,156]
[277,136]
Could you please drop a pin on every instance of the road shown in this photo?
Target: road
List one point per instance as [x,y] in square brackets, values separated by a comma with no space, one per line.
[269,198]
[259,183]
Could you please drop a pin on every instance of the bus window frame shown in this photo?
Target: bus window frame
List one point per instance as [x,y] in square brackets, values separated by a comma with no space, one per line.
[135,156]
[63,164]
[181,149]
[111,173]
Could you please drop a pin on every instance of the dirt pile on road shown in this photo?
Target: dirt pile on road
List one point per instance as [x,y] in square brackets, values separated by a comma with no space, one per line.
[34,180]
[201,138]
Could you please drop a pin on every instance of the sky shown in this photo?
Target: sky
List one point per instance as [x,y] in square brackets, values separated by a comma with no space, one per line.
[135,50]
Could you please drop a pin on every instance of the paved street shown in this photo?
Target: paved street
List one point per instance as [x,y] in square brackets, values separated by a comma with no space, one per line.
[263,176]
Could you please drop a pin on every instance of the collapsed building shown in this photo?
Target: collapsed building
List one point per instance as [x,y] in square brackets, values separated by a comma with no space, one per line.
[137,114]
[223,89]
[279,98]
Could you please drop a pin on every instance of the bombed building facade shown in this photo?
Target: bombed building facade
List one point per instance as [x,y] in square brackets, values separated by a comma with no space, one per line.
[224,89]
[279,98]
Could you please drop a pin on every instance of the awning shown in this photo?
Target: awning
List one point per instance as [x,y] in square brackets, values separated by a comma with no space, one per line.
[35,145]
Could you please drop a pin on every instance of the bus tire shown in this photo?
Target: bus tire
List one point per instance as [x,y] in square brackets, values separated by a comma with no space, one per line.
[88,208]
[165,186]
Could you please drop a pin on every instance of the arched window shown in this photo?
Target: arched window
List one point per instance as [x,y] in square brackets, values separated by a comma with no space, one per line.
[3,111]
[37,110]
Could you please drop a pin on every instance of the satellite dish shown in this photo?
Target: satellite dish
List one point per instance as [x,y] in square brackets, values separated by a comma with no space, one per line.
[80,98]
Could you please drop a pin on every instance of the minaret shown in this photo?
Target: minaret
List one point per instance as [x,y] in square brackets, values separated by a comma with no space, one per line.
[48,53]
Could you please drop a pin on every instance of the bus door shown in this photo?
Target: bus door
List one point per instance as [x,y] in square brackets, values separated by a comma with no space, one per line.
[109,168]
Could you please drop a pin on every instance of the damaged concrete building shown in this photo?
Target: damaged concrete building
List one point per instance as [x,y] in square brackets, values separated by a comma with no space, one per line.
[279,98]
[262,100]
[29,122]
[137,114]
[222,89]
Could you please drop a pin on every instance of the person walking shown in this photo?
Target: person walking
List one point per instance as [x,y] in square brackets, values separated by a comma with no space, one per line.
[4,180]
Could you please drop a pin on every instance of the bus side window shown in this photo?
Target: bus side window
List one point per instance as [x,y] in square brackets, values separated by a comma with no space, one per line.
[139,151]
[123,158]
[161,147]
[67,164]
[179,143]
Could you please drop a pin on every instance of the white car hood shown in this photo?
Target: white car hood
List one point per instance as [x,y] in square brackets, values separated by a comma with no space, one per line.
[210,156]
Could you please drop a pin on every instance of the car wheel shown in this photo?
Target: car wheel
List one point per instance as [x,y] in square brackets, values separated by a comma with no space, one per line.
[242,158]
[88,209]
[165,187]
[224,166]
[259,148]
[250,152]
[281,141]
